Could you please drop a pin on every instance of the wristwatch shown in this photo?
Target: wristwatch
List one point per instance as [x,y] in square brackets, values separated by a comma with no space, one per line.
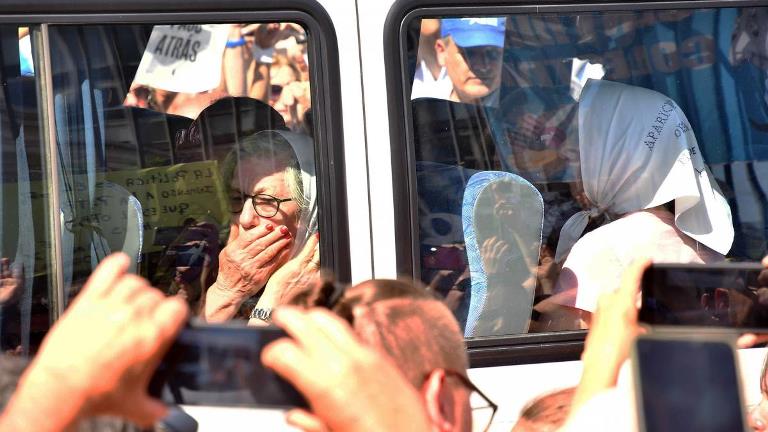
[264,314]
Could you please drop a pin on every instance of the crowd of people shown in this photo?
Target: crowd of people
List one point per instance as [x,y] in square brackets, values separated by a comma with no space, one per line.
[266,62]
[398,356]
[386,355]
[589,154]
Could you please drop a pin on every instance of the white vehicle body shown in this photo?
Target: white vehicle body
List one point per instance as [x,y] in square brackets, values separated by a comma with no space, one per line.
[360,31]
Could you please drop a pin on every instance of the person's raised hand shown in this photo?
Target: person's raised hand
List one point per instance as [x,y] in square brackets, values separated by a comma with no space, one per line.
[245,264]
[495,253]
[98,358]
[10,281]
[296,276]
[612,330]
[349,387]
[268,34]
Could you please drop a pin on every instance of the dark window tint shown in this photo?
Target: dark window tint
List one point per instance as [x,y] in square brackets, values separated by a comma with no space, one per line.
[160,130]
[552,149]
[25,254]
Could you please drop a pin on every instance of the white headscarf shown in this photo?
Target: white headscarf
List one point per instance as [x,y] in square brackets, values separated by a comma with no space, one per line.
[305,153]
[638,151]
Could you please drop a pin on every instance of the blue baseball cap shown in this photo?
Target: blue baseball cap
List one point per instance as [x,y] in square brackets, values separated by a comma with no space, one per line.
[473,32]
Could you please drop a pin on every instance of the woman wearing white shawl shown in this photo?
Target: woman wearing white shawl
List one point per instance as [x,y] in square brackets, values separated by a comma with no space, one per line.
[278,253]
[638,153]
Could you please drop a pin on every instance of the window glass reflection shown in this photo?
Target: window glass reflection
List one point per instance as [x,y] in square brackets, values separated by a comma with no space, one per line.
[25,267]
[160,129]
[641,132]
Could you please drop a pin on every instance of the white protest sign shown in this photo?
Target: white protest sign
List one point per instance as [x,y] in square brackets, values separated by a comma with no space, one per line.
[183,58]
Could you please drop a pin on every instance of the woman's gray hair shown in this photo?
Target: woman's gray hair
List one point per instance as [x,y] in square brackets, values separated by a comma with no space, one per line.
[268,145]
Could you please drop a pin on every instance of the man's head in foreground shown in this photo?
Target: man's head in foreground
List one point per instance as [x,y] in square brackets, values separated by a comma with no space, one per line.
[422,338]
[471,50]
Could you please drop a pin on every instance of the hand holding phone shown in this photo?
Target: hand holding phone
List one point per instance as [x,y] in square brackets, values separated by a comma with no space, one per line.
[220,365]
[717,296]
[682,384]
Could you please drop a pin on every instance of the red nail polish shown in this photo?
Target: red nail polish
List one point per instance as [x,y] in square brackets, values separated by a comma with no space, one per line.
[284,231]
[269,227]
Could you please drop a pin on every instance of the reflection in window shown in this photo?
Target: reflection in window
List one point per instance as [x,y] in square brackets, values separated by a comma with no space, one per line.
[157,138]
[25,270]
[639,131]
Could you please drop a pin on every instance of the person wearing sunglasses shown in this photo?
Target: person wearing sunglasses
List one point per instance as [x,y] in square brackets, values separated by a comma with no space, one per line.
[273,240]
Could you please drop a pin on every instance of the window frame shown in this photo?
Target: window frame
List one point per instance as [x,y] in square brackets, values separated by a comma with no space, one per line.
[492,350]
[325,87]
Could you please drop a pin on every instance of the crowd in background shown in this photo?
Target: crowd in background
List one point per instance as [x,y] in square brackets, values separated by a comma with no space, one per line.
[267,62]
[380,355]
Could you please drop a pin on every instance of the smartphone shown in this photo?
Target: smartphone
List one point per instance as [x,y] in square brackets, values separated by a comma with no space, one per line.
[724,296]
[220,365]
[687,384]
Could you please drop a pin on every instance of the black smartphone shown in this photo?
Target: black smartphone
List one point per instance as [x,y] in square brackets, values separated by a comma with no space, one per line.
[724,296]
[220,365]
[685,384]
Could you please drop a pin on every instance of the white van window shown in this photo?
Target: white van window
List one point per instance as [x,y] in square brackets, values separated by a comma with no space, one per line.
[190,148]
[552,149]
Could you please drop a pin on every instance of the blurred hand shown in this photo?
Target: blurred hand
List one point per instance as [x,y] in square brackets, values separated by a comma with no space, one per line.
[293,102]
[494,252]
[749,340]
[11,279]
[99,357]
[245,264]
[612,330]
[268,34]
[296,276]
[349,387]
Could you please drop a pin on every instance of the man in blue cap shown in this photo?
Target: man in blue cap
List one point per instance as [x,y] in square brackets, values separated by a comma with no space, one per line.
[471,50]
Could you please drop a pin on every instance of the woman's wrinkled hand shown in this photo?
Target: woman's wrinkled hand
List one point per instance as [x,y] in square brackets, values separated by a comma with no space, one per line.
[245,264]
[296,276]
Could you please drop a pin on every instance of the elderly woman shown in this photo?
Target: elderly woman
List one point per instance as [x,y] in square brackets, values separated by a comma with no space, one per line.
[273,240]
[643,172]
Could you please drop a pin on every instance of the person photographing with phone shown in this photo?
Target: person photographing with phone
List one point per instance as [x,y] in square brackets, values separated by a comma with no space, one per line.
[99,357]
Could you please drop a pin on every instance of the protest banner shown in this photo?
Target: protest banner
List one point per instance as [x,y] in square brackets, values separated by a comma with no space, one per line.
[183,58]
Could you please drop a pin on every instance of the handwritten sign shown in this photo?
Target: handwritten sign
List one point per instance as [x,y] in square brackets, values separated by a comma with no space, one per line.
[167,196]
[170,195]
[183,58]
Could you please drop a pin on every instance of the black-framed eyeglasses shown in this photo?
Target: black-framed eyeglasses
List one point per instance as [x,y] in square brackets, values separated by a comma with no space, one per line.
[483,408]
[264,205]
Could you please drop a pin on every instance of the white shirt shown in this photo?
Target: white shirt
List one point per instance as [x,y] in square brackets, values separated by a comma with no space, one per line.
[598,260]
[427,86]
